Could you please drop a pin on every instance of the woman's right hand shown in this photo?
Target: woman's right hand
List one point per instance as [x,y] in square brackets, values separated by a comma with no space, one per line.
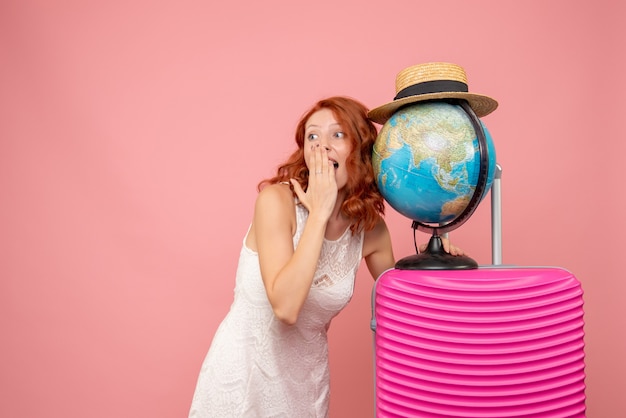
[321,194]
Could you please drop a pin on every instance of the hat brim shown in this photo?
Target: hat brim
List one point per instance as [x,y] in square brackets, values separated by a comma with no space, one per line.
[481,105]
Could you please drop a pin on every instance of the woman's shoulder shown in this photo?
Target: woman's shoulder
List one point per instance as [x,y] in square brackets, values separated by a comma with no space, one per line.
[277,191]
[273,212]
[275,196]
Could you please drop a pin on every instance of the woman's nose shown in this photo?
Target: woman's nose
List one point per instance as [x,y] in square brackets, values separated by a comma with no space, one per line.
[324,142]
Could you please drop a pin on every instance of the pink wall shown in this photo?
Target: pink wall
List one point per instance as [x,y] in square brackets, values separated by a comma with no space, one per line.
[133,134]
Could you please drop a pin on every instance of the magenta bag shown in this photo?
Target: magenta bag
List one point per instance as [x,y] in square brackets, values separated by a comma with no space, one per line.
[497,341]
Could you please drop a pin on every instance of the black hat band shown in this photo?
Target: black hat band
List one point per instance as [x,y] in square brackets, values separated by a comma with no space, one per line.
[436,86]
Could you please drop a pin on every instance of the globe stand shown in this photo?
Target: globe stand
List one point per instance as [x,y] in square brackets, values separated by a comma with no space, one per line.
[436,258]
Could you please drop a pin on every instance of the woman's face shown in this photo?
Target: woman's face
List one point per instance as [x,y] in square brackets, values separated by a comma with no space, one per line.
[322,129]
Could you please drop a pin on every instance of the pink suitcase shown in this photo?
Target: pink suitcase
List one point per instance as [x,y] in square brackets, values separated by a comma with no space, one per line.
[497,341]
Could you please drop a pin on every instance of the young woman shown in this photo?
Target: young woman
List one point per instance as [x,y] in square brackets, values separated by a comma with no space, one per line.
[313,223]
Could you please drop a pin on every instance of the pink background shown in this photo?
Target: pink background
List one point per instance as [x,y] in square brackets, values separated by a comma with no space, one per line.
[133,134]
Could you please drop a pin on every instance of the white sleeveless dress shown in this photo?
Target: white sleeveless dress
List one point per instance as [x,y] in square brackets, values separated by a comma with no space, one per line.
[258,366]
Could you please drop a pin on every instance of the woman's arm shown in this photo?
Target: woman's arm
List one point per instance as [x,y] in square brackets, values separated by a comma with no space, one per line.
[287,274]
[377,249]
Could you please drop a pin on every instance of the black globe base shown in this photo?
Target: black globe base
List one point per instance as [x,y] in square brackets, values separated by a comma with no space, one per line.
[436,258]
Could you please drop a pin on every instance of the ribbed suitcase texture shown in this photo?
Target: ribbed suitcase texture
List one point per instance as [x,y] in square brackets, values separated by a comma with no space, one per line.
[488,342]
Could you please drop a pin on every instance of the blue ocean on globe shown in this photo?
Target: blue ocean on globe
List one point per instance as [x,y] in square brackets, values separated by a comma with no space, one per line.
[427,160]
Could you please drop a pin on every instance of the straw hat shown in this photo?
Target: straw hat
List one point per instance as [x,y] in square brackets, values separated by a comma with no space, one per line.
[434,80]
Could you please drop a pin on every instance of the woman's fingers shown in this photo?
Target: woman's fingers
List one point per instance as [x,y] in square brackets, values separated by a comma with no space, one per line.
[447,247]
[321,170]
[320,161]
[452,249]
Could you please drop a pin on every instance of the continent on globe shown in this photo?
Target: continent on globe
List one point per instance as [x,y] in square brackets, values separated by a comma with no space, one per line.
[427,161]
[454,207]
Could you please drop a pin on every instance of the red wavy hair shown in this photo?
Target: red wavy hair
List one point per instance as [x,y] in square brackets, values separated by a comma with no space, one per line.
[363,204]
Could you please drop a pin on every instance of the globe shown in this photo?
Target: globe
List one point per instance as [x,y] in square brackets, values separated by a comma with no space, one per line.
[427,162]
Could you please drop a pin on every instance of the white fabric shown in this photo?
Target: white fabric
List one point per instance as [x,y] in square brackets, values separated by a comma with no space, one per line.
[259,367]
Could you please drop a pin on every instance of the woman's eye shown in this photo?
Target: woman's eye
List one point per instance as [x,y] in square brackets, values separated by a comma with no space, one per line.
[340,135]
[312,137]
